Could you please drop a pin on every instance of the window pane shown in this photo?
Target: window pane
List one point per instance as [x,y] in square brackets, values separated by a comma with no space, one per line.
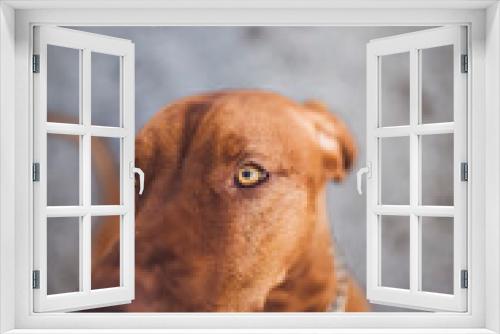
[105,90]
[437,169]
[437,254]
[105,252]
[395,251]
[63,170]
[395,89]
[437,84]
[395,170]
[63,84]
[63,255]
[105,171]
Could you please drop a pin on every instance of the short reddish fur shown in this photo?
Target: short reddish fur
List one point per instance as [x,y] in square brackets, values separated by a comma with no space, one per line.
[203,243]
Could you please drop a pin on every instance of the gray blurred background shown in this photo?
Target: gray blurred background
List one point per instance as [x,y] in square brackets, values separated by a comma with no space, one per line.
[325,63]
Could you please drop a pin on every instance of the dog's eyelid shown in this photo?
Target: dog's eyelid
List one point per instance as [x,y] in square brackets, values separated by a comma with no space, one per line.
[253,164]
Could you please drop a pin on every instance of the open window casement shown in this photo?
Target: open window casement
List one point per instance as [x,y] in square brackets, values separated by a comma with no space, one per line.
[400,202]
[54,130]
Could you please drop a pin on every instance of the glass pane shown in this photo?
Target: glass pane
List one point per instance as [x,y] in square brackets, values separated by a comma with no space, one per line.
[63,170]
[105,90]
[437,84]
[395,251]
[395,89]
[105,252]
[63,255]
[437,169]
[437,254]
[105,171]
[63,84]
[395,170]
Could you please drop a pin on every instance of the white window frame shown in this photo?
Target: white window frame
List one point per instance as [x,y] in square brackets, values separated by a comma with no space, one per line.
[85,44]
[16,20]
[412,45]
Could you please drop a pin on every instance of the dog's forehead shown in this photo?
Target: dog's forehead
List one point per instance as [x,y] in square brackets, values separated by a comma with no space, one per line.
[257,127]
[251,114]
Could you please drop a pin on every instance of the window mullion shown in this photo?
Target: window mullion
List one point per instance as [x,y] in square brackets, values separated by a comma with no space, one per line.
[414,173]
[80,168]
[438,127]
[86,238]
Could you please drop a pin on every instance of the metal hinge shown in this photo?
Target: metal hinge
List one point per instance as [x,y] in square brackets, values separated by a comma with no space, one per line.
[464,279]
[464,171]
[465,64]
[36,172]
[36,279]
[36,64]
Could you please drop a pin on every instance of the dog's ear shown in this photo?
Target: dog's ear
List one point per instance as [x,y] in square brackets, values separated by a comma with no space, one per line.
[164,140]
[333,138]
[157,145]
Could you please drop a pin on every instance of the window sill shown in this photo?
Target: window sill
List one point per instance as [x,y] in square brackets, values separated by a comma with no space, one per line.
[253,331]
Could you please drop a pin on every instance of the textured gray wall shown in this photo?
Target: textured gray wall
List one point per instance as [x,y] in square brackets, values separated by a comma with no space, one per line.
[326,63]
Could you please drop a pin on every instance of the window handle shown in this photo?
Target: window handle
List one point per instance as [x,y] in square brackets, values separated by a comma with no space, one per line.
[141,179]
[359,175]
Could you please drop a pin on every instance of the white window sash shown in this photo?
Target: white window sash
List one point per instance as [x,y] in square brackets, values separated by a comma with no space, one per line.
[414,297]
[86,43]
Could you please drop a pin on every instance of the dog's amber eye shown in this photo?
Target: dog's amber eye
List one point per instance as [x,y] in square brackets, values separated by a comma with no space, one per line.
[250,175]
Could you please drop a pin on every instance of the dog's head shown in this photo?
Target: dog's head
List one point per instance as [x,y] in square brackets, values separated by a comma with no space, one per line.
[232,184]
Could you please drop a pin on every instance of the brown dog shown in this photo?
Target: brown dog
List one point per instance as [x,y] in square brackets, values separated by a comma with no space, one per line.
[233,214]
